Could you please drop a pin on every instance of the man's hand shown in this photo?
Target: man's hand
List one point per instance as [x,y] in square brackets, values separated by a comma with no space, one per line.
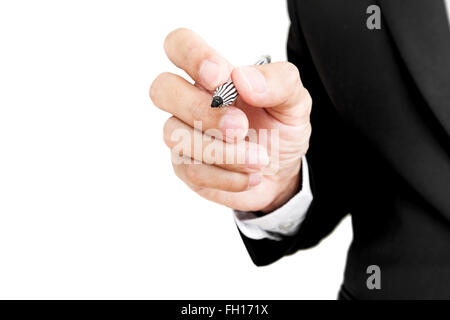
[270,97]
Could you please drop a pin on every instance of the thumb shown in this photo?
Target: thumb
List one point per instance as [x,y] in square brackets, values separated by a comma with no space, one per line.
[277,87]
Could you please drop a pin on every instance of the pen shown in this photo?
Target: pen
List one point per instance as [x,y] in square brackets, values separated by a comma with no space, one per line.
[226,94]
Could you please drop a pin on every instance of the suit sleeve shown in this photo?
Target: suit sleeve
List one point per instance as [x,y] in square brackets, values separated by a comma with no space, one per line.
[327,162]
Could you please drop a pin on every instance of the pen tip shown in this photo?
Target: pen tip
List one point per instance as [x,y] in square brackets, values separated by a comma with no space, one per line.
[216,102]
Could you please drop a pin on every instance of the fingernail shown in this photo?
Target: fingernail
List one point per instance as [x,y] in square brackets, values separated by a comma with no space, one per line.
[254,78]
[256,157]
[254,179]
[233,124]
[210,73]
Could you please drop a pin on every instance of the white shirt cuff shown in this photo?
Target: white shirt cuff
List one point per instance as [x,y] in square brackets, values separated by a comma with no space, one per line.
[285,221]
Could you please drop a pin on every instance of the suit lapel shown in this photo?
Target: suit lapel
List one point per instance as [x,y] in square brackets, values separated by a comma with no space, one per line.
[421,31]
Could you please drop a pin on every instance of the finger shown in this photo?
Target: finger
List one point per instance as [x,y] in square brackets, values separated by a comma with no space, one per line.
[208,176]
[242,157]
[188,103]
[192,54]
[275,86]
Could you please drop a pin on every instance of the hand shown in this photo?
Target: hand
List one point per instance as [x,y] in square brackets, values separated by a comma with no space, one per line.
[270,97]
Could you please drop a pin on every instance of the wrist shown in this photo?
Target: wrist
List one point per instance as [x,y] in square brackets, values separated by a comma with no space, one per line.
[289,187]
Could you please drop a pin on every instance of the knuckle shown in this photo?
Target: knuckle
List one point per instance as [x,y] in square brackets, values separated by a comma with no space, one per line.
[292,83]
[304,103]
[303,142]
[197,107]
[178,170]
[292,74]
[167,131]
[173,36]
[191,173]
[157,87]
[308,133]
[307,102]
[153,90]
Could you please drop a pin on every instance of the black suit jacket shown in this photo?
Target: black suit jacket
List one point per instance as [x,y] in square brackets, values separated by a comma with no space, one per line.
[380,145]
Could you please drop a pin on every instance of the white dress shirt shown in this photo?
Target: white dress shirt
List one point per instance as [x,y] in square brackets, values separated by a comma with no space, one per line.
[286,220]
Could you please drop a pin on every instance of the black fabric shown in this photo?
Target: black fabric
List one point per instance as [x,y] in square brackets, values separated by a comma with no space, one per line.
[344,295]
[380,146]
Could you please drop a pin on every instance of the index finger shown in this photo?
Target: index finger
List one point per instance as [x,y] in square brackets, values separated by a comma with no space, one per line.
[190,52]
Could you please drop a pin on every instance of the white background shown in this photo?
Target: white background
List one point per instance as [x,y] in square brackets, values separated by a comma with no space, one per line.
[89,206]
